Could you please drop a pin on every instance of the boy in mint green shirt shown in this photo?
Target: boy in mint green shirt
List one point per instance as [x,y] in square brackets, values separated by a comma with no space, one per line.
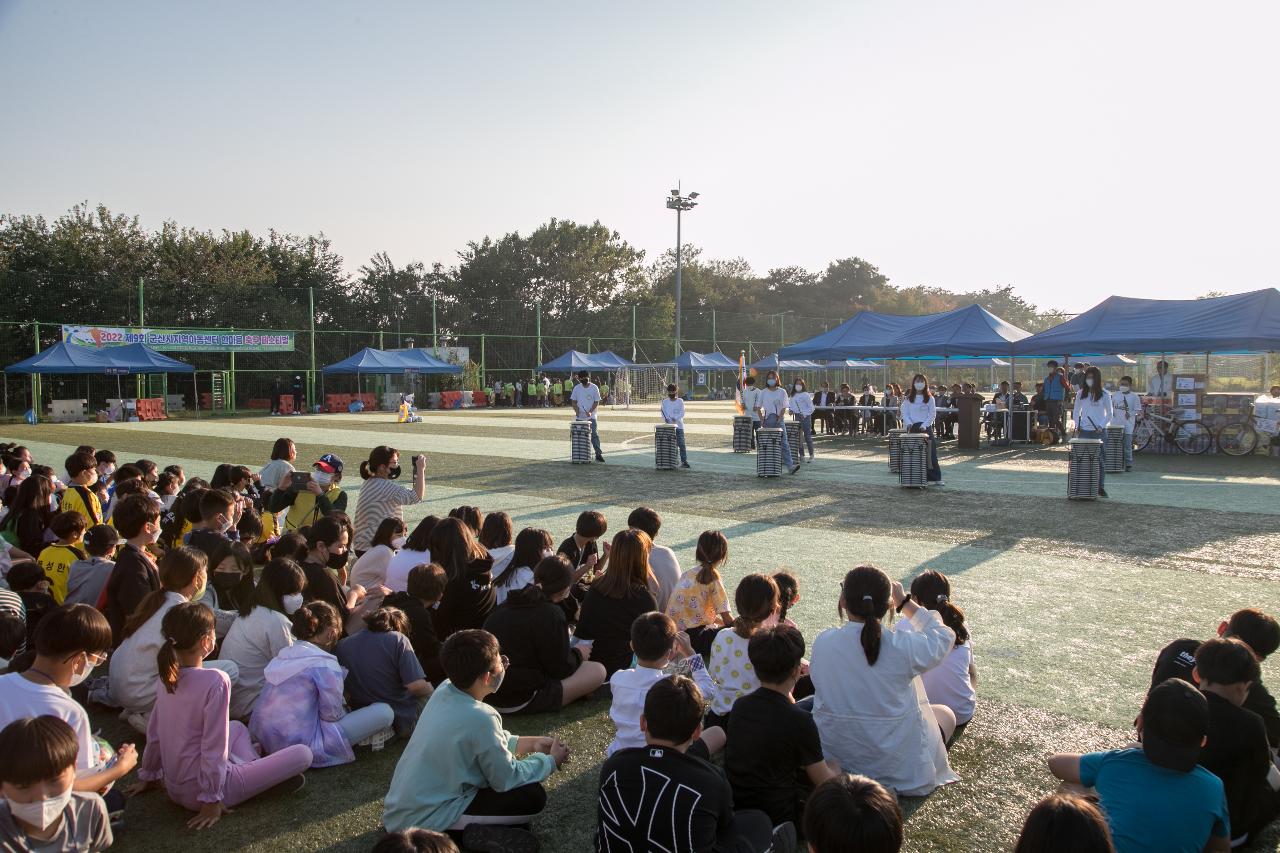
[461,765]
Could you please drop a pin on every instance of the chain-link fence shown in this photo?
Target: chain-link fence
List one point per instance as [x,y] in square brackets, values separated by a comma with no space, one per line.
[505,340]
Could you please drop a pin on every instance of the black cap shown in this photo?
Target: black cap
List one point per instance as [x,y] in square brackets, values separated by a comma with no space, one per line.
[1176,660]
[1175,721]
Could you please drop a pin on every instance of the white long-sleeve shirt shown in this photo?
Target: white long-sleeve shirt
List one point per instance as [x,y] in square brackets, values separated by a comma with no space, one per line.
[673,411]
[923,412]
[802,403]
[1091,414]
[1125,405]
[750,397]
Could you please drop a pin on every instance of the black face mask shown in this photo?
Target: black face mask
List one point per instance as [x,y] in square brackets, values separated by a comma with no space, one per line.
[394,473]
[337,561]
[225,581]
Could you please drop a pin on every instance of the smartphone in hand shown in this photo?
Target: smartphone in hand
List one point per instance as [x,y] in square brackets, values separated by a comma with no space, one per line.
[298,480]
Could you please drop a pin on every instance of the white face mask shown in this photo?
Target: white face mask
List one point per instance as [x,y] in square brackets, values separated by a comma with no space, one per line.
[548,553]
[798,387]
[79,677]
[398,542]
[1088,381]
[771,382]
[919,386]
[41,813]
[322,479]
[291,603]
[1124,388]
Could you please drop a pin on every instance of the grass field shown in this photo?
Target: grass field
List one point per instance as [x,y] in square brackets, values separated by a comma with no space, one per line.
[1068,601]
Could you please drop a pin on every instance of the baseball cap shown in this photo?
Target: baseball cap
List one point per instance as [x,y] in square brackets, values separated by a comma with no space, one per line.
[1175,720]
[1176,660]
[330,463]
[101,536]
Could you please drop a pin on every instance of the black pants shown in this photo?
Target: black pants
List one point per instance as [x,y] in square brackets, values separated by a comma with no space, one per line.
[752,832]
[297,401]
[524,801]
[702,637]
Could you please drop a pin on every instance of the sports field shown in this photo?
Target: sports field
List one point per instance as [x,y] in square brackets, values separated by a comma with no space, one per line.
[1068,601]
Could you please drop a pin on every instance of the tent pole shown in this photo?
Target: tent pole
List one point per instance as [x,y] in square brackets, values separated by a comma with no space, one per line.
[195,389]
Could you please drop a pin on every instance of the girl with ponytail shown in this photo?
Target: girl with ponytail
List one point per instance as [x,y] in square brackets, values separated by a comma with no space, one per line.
[756,600]
[951,683]
[132,672]
[870,706]
[207,761]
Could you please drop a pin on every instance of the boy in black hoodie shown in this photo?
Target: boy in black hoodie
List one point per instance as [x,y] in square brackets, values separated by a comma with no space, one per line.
[424,589]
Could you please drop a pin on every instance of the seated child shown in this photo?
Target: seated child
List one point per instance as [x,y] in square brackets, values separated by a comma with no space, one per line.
[699,603]
[756,599]
[546,672]
[629,818]
[950,683]
[426,585]
[57,557]
[580,548]
[1065,823]
[40,809]
[301,699]
[851,812]
[1237,751]
[773,745]
[206,761]
[31,584]
[1156,798]
[88,577]
[415,841]
[461,770]
[381,667]
[656,643]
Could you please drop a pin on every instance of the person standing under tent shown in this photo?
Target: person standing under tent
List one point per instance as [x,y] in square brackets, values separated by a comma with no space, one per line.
[297,394]
[823,401]
[1092,412]
[556,392]
[919,412]
[1055,395]
[772,402]
[586,399]
[1125,405]
[1161,385]
[519,393]
[673,413]
[802,406]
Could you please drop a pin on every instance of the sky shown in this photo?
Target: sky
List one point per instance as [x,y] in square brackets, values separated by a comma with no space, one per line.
[1073,150]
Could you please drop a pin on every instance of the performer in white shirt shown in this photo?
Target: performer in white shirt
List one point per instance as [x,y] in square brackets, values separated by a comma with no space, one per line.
[919,411]
[1125,406]
[1092,413]
[751,404]
[1161,385]
[586,399]
[673,413]
[772,403]
[802,406]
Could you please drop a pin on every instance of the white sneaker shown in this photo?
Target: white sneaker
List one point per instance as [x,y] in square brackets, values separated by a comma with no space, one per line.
[378,739]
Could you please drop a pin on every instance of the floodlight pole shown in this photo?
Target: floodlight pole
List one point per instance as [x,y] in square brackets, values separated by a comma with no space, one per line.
[679,203]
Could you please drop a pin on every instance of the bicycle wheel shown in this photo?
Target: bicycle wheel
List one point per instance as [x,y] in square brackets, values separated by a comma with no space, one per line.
[1192,437]
[1143,432]
[1238,439]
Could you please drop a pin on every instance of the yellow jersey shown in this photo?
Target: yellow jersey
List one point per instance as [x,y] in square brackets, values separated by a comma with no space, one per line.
[56,560]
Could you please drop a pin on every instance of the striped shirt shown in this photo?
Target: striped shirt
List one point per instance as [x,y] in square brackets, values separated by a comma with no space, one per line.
[379,499]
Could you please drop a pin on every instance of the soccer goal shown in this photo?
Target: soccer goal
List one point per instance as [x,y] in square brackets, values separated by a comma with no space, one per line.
[641,384]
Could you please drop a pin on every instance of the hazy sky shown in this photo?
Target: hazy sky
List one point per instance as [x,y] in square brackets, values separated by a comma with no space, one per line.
[1073,150]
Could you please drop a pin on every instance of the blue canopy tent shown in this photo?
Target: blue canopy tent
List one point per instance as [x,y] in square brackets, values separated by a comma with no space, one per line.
[690,360]
[424,362]
[854,337]
[853,364]
[131,359]
[612,359]
[376,361]
[1246,322]
[573,361]
[771,362]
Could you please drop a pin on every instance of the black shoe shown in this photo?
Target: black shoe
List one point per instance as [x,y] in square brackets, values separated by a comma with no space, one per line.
[599,458]
[684,464]
[1102,493]
[486,838]
[795,468]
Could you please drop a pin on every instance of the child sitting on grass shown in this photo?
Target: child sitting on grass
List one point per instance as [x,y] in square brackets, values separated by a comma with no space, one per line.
[1156,798]
[57,557]
[88,577]
[461,770]
[848,813]
[699,604]
[950,683]
[772,743]
[1065,823]
[656,643]
[40,809]
[756,599]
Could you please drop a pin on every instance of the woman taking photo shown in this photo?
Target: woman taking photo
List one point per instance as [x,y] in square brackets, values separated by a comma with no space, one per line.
[1092,413]
[919,412]
[870,706]
[380,496]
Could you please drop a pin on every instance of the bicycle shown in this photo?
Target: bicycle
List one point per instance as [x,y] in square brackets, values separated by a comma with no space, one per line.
[1239,438]
[1190,436]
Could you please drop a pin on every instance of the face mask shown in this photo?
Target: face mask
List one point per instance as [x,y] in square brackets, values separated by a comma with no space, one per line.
[337,561]
[771,382]
[291,603]
[79,677]
[322,479]
[41,813]
[108,470]
[548,553]
[167,501]
[1124,388]
[797,387]
[225,581]
[398,542]
[502,676]
[919,386]
[1088,381]
[200,590]
[394,473]
[53,502]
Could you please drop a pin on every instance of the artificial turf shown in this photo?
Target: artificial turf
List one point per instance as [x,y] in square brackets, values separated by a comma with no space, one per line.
[1068,602]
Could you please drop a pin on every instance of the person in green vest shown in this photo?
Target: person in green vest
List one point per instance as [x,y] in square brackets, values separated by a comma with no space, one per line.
[540,388]
[488,395]
[323,494]
[604,392]
[557,392]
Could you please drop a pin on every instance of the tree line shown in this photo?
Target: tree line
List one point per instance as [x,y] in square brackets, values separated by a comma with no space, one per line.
[84,267]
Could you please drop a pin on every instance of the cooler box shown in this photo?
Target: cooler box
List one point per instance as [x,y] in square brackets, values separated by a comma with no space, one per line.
[769,452]
[580,442]
[1115,449]
[913,459]
[742,434]
[666,451]
[1083,469]
[895,449]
